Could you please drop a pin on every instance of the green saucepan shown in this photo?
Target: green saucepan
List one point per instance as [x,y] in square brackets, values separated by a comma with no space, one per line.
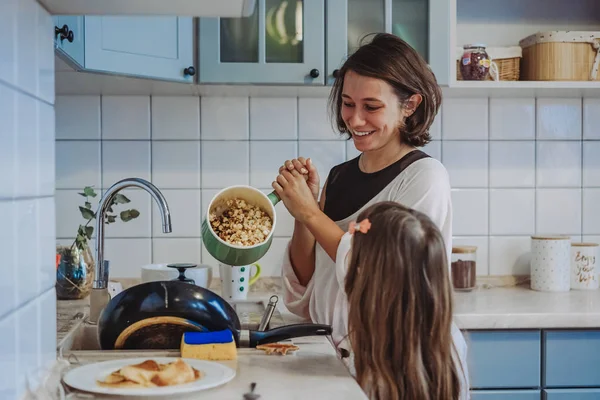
[236,255]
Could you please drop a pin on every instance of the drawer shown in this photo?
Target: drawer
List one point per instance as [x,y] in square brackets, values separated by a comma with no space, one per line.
[504,359]
[506,395]
[572,358]
[572,394]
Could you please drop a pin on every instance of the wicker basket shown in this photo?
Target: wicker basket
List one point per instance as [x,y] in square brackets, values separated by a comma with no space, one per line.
[507,60]
[561,56]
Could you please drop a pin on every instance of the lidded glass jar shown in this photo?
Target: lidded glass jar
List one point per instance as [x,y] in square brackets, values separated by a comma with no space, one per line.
[464,268]
[475,62]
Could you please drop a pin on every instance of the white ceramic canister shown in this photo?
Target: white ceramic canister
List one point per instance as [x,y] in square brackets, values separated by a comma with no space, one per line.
[584,273]
[551,263]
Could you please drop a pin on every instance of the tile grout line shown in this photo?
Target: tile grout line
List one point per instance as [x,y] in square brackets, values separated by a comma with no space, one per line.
[201,160]
[581,167]
[535,166]
[151,168]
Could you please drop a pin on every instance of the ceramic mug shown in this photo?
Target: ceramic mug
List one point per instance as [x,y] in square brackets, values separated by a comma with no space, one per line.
[236,280]
[584,273]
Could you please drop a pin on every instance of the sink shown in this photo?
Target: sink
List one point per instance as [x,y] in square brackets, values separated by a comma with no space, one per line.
[82,338]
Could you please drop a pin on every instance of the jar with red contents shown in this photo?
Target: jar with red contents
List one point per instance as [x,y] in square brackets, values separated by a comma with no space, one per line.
[475,62]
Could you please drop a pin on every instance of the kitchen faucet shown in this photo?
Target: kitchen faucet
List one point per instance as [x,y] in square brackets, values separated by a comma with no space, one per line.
[99,297]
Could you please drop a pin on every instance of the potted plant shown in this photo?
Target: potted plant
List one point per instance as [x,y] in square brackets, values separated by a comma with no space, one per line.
[75,263]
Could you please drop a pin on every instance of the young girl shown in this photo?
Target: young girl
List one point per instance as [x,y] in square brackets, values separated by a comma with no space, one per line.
[397,296]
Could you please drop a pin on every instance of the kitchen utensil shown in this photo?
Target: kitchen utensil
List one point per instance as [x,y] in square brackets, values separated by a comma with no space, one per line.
[231,254]
[201,274]
[154,315]
[264,322]
[251,395]
[236,281]
[84,377]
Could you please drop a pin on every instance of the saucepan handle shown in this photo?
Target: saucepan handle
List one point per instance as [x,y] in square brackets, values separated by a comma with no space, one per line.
[288,332]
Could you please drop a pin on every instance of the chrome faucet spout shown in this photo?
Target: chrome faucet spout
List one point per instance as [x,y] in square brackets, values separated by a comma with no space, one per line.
[101,272]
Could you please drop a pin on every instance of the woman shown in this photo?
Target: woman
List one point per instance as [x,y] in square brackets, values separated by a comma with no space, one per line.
[393,269]
[385,99]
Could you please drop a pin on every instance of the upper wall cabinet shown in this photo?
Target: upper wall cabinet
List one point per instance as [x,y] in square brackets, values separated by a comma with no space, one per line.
[282,42]
[424,24]
[157,47]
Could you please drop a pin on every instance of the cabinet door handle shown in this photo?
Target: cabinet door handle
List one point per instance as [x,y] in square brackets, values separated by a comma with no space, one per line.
[191,71]
[314,73]
[63,32]
[70,36]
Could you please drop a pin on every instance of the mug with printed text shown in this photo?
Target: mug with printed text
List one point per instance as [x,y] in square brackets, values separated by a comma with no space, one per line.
[236,280]
[584,273]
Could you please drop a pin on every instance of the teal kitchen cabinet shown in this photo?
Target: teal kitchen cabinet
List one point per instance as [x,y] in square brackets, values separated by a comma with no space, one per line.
[282,42]
[504,359]
[424,24]
[571,394]
[506,395]
[156,47]
[68,38]
[571,359]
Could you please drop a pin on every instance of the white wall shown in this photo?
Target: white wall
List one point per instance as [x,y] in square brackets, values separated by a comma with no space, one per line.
[517,166]
[27,237]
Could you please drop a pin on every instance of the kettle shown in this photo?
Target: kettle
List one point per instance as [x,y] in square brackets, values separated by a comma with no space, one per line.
[231,254]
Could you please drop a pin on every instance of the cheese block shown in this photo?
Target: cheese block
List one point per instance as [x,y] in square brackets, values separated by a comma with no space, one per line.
[218,345]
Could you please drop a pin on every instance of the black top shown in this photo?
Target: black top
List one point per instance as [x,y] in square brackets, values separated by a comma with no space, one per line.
[349,189]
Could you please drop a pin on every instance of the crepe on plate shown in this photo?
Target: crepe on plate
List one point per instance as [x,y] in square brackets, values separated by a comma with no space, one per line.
[151,374]
[277,348]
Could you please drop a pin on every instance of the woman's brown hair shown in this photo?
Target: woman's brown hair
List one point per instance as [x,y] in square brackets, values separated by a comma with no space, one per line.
[400,307]
[391,59]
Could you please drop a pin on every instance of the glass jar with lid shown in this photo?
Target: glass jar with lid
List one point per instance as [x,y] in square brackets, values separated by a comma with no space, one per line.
[475,62]
[464,267]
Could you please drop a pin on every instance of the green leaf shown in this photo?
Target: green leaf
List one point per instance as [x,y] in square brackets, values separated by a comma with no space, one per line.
[110,219]
[82,194]
[89,191]
[125,216]
[86,213]
[89,230]
[134,213]
[88,205]
[109,209]
[80,238]
[121,199]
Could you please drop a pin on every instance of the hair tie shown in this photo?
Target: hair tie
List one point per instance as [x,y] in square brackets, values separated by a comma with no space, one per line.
[362,227]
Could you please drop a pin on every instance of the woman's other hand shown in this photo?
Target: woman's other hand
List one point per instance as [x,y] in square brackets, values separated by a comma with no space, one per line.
[292,187]
[306,168]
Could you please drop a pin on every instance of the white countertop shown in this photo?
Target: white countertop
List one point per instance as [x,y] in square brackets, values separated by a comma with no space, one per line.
[522,308]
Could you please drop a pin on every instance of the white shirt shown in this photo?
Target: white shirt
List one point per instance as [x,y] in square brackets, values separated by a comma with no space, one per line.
[424,186]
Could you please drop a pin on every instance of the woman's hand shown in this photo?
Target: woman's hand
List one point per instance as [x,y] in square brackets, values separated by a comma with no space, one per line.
[306,168]
[298,198]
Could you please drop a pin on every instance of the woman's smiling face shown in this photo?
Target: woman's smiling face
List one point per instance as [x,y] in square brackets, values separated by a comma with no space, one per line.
[371,111]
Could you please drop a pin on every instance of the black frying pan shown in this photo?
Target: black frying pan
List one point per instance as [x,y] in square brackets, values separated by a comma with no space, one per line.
[154,315]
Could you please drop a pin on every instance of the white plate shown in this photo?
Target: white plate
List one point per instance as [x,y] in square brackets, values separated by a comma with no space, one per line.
[84,377]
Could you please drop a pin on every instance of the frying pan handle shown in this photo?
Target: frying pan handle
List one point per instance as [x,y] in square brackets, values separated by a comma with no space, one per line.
[288,332]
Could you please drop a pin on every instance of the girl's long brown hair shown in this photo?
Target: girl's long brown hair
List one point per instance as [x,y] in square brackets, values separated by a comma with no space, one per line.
[400,307]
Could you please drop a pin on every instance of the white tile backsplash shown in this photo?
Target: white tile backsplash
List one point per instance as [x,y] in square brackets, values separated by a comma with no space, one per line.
[78,117]
[176,164]
[273,118]
[175,117]
[559,119]
[225,163]
[27,185]
[126,117]
[513,173]
[558,164]
[591,118]
[512,119]
[465,119]
[124,159]
[313,120]
[268,156]
[224,118]
[512,164]
[78,164]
